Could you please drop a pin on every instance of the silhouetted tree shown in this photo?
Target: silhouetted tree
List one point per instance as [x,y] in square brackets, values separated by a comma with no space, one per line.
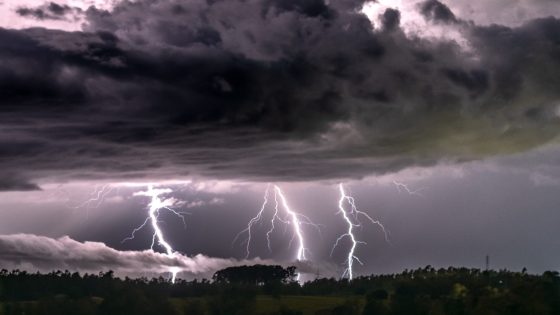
[255,275]
[451,291]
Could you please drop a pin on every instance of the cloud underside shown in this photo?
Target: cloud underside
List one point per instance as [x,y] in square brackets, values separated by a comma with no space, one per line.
[49,11]
[39,253]
[269,90]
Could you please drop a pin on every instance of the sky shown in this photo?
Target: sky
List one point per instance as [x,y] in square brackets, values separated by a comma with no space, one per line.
[440,119]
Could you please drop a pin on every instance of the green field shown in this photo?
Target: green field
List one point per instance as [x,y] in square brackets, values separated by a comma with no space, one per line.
[309,305]
[306,304]
[266,304]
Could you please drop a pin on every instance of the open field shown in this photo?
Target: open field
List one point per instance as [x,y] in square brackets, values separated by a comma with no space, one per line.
[308,305]
[266,304]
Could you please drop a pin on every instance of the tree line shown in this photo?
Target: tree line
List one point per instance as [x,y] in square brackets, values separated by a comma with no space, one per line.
[236,290]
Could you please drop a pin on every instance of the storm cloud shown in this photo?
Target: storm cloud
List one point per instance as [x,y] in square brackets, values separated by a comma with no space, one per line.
[9,182]
[269,90]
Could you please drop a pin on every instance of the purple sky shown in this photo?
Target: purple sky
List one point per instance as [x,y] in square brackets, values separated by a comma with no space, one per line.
[458,100]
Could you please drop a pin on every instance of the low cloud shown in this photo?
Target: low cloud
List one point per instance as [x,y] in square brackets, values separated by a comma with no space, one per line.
[201,203]
[39,253]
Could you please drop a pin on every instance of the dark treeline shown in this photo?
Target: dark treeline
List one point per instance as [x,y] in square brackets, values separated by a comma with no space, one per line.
[236,290]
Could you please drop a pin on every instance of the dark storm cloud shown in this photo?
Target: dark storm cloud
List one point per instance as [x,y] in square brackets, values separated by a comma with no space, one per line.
[269,90]
[49,11]
[11,182]
[437,11]
[391,19]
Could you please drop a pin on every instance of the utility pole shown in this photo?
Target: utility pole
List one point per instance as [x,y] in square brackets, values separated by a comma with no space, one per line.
[487,262]
[317,274]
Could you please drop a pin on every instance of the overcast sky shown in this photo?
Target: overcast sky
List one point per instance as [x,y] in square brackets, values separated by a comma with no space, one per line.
[457,100]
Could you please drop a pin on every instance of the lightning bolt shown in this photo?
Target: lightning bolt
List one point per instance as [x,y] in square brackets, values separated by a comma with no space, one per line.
[295,221]
[156,204]
[97,197]
[275,217]
[351,216]
[292,218]
[254,220]
[402,187]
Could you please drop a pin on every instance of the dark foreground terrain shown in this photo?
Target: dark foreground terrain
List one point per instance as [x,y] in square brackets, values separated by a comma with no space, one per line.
[272,290]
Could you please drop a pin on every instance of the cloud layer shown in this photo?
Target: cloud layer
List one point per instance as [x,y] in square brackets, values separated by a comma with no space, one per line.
[269,90]
[39,253]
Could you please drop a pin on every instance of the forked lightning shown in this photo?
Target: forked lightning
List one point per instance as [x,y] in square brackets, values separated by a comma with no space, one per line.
[293,218]
[154,207]
[351,217]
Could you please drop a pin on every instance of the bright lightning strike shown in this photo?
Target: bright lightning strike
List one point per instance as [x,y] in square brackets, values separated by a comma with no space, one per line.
[350,216]
[154,207]
[293,218]
[274,218]
[254,220]
[295,221]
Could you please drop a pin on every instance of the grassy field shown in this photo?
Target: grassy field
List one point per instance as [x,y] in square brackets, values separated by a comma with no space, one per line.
[306,304]
[309,305]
